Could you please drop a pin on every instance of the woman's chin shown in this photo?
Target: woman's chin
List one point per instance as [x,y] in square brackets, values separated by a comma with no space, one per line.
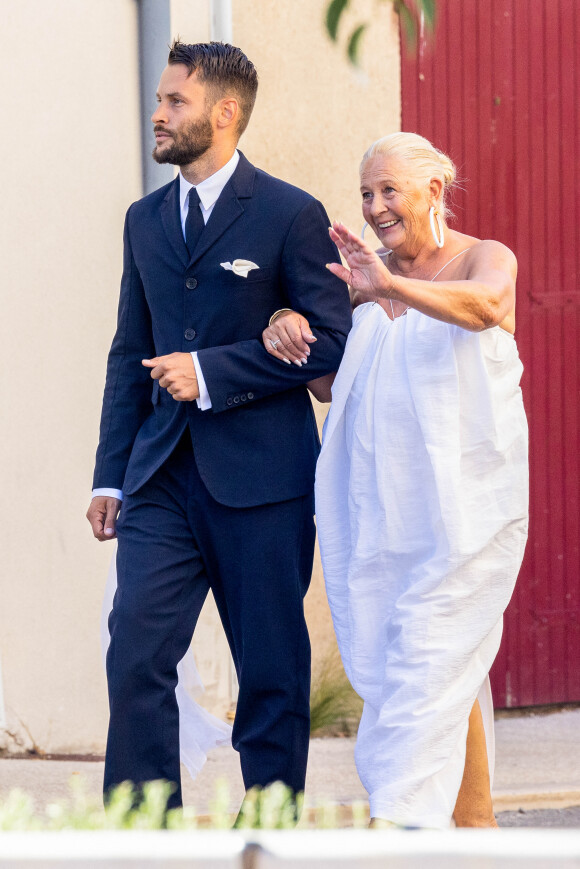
[392,241]
[391,238]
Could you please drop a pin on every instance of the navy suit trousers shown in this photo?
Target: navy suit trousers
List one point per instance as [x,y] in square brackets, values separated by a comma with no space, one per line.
[174,543]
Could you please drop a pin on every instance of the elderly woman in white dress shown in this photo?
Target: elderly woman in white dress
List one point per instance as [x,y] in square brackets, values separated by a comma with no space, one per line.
[422,488]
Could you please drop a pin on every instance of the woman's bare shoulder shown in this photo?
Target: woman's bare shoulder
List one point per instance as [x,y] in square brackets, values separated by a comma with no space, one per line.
[493,254]
[481,245]
[486,251]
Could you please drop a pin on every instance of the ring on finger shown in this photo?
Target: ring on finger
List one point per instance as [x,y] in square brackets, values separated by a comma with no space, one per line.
[273,343]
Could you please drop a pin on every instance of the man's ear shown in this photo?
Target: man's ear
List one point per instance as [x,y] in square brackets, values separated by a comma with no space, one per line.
[227,112]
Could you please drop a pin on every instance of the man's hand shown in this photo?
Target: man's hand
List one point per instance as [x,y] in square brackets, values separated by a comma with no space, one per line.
[102,514]
[176,373]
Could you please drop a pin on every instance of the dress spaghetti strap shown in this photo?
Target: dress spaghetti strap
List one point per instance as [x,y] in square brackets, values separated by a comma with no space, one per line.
[449,263]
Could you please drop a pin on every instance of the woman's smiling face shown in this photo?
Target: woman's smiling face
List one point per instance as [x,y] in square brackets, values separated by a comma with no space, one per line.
[395,204]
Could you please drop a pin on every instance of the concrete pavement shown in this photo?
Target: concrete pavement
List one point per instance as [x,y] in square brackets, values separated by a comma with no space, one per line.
[537,766]
[537,760]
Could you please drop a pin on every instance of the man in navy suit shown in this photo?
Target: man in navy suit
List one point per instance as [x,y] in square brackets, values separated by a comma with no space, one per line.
[208,444]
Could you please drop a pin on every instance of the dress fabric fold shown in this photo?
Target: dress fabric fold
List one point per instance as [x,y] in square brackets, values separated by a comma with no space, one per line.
[422,505]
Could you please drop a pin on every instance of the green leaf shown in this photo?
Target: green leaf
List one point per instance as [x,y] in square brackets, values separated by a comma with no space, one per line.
[407,21]
[333,14]
[354,43]
[429,9]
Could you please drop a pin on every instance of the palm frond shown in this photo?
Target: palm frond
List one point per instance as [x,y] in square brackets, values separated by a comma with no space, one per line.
[352,49]
[411,13]
[333,15]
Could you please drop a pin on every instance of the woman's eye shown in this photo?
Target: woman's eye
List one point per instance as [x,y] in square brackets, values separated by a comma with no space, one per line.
[389,190]
[366,195]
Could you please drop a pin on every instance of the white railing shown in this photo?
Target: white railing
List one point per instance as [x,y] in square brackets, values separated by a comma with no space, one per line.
[308,849]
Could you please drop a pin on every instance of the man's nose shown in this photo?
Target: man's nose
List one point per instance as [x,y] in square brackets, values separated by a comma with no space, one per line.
[159,116]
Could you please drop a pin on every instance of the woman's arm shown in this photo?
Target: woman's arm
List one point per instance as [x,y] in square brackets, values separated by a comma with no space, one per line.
[287,338]
[484,299]
[321,388]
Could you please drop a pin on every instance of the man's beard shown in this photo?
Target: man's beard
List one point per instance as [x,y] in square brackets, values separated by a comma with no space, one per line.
[188,145]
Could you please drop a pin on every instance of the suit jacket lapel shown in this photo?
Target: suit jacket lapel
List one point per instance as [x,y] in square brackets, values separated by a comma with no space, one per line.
[171,220]
[227,208]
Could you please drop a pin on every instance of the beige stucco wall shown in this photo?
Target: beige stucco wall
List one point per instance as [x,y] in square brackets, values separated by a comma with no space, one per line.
[71,164]
[69,157]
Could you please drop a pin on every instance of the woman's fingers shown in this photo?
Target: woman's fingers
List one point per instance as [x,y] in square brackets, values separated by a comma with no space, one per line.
[348,242]
[287,338]
[306,333]
[273,344]
[340,272]
[347,238]
[297,327]
[337,239]
[293,347]
[347,234]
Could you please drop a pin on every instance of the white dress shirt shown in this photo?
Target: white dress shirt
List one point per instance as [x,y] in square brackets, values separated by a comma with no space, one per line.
[208,192]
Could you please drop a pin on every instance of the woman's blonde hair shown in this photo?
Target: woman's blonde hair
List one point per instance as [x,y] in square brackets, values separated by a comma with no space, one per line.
[425,161]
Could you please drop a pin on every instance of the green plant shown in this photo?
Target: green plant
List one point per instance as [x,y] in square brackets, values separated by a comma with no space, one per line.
[274,807]
[335,708]
[84,811]
[411,13]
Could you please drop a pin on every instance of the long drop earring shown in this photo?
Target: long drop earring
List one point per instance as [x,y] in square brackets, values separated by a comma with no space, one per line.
[432,215]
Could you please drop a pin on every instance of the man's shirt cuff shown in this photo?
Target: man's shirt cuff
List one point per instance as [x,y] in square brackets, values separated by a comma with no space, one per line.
[108,493]
[204,401]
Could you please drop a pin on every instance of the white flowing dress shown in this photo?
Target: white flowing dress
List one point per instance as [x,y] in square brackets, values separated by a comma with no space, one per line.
[422,504]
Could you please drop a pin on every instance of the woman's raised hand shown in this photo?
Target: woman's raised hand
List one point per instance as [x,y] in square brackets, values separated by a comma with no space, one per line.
[288,338]
[366,275]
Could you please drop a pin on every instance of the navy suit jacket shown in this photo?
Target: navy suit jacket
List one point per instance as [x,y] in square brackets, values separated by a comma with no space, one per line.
[259,443]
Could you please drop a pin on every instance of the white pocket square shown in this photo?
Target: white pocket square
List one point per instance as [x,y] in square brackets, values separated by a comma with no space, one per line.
[240,267]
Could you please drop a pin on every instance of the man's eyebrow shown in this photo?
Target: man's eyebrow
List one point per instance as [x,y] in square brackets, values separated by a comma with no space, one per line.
[171,95]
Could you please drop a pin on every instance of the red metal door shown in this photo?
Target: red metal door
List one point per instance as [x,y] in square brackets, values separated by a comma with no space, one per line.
[498,90]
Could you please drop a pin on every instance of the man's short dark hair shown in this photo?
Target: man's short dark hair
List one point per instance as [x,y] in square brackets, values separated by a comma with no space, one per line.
[224,68]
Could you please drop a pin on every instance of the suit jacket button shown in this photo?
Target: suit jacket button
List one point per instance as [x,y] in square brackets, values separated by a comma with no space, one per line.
[229,401]
[243,397]
[191,283]
[236,399]
[250,395]
[189,334]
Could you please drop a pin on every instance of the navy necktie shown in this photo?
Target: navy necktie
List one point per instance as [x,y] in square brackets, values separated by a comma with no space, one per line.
[194,222]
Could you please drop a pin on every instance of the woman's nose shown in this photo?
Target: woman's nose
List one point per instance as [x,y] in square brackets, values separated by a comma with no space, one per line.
[376,207]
